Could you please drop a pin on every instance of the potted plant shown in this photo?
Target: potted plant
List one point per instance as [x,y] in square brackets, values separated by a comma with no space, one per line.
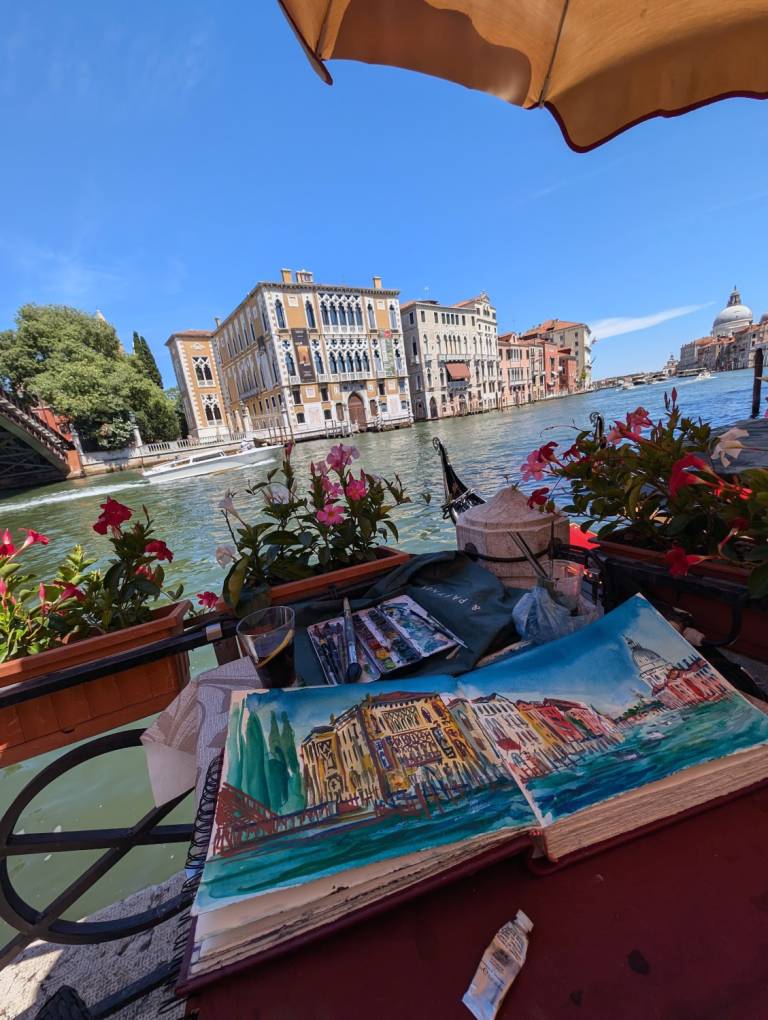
[657,491]
[325,530]
[78,617]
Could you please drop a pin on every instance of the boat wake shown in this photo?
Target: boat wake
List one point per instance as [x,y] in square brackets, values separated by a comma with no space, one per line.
[66,497]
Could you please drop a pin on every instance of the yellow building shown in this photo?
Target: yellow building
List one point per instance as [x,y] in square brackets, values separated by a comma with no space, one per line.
[389,745]
[194,363]
[324,359]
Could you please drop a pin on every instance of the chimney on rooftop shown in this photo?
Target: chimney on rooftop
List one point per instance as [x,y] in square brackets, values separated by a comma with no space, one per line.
[217,320]
[377,283]
[304,276]
[287,275]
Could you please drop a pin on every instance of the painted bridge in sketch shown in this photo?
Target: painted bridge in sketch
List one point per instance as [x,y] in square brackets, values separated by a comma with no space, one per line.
[241,820]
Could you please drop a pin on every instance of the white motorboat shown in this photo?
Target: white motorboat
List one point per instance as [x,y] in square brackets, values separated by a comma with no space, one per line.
[705,374]
[210,462]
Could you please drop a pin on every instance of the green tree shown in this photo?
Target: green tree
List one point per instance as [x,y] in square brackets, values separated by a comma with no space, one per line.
[235,748]
[145,359]
[75,362]
[174,396]
[254,759]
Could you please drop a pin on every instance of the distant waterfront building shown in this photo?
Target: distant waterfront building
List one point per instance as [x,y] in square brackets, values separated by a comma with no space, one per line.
[568,338]
[515,375]
[676,685]
[732,343]
[452,354]
[321,358]
[194,363]
[733,317]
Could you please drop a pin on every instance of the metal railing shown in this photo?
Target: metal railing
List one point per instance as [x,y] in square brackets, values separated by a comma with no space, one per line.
[14,410]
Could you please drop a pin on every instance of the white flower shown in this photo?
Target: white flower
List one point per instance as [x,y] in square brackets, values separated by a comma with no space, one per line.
[225,554]
[228,506]
[277,493]
[729,446]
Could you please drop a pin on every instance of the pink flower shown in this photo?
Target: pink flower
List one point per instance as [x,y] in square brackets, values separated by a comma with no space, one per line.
[341,455]
[534,467]
[41,593]
[356,488]
[113,514]
[7,548]
[330,515]
[69,591]
[288,449]
[321,468]
[679,561]
[638,419]
[547,452]
[3,588]
[680,477]
[34,537]
[158,549]
[538,497]
[144,570]
[331,489]
[209,599]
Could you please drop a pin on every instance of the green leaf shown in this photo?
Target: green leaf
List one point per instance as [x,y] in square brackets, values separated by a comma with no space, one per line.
[234,581]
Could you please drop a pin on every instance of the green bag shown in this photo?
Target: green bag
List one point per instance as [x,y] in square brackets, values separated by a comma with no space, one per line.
[463,596]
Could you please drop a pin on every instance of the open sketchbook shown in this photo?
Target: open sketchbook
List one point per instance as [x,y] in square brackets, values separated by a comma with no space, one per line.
[334,801]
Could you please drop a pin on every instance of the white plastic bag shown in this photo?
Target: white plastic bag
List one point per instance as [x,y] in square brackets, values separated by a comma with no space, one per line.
[539,618]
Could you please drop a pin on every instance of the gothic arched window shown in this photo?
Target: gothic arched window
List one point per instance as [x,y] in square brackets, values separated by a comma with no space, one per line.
[371,316]
[366,362]
[359,316]
[350,366]
[319,363]
[290,364]
[280,313]
[332,360]
[324,314]
[358,363]
[342,315]
[311,322]
[334,316]
[392,317]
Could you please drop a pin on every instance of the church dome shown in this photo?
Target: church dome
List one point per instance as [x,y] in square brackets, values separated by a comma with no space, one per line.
[645,658]
[734,316]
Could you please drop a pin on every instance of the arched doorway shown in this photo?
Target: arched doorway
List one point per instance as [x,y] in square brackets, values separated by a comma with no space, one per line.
[339,412]
[357,412]
[433,408]
[374,408]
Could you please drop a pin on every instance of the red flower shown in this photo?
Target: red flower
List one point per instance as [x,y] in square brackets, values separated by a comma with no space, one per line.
[547,452]
[288,449]
[34,537]
[3,588]
[538,497]
[7,548]
[159,549]
[680,477]
[739,524]
[573,452]
[144,570]
[113,514]
[209,599]
[69,591]
[679,561]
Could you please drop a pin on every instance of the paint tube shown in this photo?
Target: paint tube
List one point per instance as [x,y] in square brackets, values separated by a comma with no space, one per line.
[498,968]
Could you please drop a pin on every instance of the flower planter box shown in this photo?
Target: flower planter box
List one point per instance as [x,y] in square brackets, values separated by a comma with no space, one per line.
[55,720]
[711,615]
[296,591]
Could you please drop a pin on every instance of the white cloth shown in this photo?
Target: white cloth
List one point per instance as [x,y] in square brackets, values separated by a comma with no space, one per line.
[186,737]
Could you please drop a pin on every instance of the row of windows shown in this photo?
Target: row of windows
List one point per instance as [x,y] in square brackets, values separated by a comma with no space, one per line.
[337,315]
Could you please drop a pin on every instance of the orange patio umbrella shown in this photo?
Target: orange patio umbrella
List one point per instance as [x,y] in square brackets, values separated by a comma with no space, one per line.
[599,66]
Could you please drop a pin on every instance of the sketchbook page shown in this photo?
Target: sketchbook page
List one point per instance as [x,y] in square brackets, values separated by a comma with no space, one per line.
[620,704]
[322,780]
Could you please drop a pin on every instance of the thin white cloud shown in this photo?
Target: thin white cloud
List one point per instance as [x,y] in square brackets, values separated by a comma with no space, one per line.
[620,324]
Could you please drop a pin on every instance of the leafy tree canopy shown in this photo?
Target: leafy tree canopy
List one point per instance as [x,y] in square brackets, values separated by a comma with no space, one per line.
[74,361]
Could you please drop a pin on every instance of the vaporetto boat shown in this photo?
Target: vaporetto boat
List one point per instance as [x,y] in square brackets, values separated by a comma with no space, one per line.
[210,462]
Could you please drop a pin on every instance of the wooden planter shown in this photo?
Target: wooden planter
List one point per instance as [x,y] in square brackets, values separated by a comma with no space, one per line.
[55,720]
[711,614]
[296,591]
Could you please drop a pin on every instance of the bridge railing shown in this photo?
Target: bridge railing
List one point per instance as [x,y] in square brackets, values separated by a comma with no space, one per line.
[15,410]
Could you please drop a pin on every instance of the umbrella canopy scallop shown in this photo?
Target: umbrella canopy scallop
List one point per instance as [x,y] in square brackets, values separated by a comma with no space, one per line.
[599,66]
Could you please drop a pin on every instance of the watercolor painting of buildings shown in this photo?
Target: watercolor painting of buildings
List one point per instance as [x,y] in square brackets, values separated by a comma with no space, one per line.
[321,779]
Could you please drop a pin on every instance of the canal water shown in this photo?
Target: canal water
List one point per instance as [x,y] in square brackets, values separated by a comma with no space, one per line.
[485,450]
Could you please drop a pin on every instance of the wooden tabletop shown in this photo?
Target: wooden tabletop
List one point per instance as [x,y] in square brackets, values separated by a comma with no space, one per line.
[670,925]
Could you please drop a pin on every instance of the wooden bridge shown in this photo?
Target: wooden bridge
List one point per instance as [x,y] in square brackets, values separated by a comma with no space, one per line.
[242,820]
[31,452]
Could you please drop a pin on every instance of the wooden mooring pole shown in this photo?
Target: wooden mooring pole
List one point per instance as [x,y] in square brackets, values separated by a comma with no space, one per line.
[757,382]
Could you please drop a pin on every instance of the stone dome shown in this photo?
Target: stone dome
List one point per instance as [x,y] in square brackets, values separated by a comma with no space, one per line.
[644,658]
[734,316]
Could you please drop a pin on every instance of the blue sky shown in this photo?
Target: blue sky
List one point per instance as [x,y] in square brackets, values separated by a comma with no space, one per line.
[160,159]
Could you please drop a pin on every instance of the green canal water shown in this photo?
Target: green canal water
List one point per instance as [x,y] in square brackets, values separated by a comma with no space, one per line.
[484,449]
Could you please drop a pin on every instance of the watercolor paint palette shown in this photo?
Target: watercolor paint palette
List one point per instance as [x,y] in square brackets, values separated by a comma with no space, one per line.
[389,637]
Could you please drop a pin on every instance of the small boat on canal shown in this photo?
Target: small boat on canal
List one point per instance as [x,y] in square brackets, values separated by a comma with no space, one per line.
[210,463]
